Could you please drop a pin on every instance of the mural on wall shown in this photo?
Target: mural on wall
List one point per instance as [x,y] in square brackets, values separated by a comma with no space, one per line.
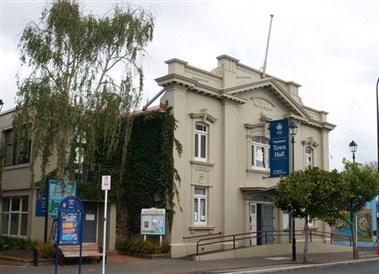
[343,227]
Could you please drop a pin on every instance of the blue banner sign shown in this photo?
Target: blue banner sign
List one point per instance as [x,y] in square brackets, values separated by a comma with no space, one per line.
[58,191]
[41,206]
[279,148]
[70,221]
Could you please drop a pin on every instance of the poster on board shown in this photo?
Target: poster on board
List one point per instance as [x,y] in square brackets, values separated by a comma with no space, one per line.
[153,221]
[57,192]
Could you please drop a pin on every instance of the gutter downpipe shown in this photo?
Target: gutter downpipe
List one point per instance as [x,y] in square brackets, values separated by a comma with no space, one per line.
[152,100]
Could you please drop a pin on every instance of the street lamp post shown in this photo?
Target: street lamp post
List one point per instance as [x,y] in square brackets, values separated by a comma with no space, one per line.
[353,148]
[293,130]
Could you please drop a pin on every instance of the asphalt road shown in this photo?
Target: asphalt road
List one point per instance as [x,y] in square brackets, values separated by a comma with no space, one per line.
[358,268]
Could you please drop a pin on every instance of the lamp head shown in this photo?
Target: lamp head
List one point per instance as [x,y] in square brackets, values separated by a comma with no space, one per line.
[292,128]
[353,146]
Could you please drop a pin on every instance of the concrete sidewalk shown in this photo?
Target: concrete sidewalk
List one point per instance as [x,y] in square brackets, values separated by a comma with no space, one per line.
[125,264]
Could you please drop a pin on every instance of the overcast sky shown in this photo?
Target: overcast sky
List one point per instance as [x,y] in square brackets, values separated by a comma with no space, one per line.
[329,47]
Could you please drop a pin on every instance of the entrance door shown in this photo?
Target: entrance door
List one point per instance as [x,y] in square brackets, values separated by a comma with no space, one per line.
[253,222]
[267,222]
[90,223]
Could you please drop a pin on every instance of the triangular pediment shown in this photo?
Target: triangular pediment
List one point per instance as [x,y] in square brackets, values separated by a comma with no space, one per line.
[276,90]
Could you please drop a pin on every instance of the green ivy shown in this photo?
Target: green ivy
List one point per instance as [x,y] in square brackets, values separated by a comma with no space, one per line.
[150,167]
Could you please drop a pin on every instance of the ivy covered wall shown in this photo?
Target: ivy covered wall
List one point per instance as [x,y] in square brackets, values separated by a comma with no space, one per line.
[150,173]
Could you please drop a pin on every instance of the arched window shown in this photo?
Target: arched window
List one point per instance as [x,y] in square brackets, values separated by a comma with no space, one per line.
[201,142]
[260,152]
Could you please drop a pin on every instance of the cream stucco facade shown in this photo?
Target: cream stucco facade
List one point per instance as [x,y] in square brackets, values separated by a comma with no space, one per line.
[21,220]
[234,104]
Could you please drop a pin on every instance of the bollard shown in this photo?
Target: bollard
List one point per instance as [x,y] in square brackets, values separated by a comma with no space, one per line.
[35,257]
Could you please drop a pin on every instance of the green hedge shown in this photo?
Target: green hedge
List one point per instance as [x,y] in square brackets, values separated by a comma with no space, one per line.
[142,247]
[45,250]
[9,243]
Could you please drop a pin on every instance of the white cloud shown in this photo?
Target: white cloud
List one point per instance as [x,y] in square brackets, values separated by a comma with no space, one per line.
[329,47]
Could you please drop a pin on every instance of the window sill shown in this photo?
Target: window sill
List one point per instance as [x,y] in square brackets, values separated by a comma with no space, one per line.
[257,170]
[201,163]
[201,227]
[16,166]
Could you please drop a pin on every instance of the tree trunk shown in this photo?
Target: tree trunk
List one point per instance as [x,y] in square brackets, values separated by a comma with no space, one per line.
[306,240]
[122,224]
[353,228]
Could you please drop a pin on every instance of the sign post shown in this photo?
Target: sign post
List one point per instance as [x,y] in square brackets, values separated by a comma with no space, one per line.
[70,226]
[105,185]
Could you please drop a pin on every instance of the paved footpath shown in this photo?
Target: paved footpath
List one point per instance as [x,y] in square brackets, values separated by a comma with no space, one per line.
[125,264]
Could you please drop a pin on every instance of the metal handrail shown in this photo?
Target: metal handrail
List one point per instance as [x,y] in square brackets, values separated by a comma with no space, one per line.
[255,234]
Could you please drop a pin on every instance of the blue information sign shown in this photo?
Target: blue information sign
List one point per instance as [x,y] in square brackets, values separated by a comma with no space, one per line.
[41,205]
[70,221]
[70,225]
[279,148]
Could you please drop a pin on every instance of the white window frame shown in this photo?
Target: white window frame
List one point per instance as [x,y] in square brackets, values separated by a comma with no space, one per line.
[311,222]
[200,215]
[198,134]
[266,152]
[306,155]
[19,212]
[286,221]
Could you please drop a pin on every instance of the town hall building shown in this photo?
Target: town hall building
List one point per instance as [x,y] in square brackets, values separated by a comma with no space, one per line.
[222,118]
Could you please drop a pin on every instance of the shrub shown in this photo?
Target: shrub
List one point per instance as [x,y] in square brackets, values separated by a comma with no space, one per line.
[45,250]
[142,247]
[8,243]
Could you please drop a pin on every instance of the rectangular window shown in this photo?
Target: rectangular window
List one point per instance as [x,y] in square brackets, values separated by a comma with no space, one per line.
[16,152]
[259,152]
[9,148]
[308,156]
[286,221]
[201,142]
[14,216]
[310,221]
[200,206]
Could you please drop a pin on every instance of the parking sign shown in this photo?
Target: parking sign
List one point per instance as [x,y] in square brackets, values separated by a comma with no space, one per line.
[106,182]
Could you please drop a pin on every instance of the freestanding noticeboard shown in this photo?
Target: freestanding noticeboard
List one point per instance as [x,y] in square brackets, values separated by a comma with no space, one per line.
[70,226]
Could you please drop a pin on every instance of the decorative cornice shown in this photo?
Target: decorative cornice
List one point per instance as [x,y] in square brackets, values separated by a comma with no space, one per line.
[273,87]
[253,126]
[200,163]
[310,142]
[230,58]
[196,86]
[312,122]
[204,116]
[176,60]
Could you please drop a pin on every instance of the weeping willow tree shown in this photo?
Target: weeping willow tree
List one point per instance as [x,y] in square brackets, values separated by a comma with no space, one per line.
[84,78]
